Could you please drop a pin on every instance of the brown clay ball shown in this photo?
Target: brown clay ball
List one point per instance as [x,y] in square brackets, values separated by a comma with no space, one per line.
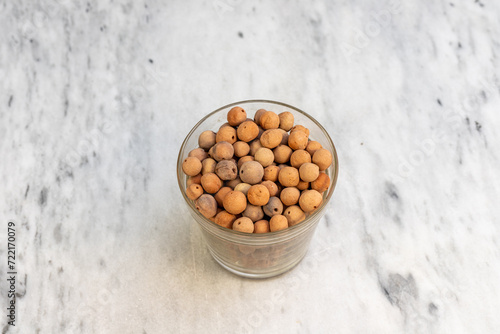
[206,205]
[253,212]
[247,131]
[282,154]
[299,157]
[269,120]
[258,195]
[264,156]
[233,183]
[309,172]
[236,116]
[191,166]
[313,146]
[294,215]
[273,207]
[241,149]
[271,138]
[226,170]
[322,158]
[225,219]
[271,173]
[300,128]
[303,185]
[198,153]
[243,224]
[271,187]
[310,200]
[244,159]
[284,139]
[290,196]
[235,202]
[254,146]
[206,140]
[222,151]
[243,187]
[219,196]
[194,179]
[208,166]
[322,183]
[211,183]
[194,191]
[261,226]
[286,120]
[289,176]
[278,223]
[297,140]
[251,172]
[258,115]
[226,133]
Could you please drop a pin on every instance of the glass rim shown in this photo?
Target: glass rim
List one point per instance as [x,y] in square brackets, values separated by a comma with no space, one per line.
[257,238]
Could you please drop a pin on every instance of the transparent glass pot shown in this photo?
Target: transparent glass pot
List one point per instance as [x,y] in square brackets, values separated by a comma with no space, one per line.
[258,255]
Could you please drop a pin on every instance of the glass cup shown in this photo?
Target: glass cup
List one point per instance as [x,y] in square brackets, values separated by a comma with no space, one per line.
[258,255]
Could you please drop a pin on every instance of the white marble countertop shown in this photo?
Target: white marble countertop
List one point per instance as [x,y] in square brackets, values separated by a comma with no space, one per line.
[96,99]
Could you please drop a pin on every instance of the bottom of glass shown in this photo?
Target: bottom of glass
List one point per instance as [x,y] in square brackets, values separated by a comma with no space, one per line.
[257,275]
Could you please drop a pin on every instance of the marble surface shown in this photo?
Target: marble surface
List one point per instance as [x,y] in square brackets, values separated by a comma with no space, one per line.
[96,98]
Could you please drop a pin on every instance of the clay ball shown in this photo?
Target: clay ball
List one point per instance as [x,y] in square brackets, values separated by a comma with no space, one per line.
[286,120]
[309,172]
[289,176]
[198,153]
[219,196]
[271,138]
[297,140]
[247,131]
[226,170]
[191,166]
[300,128]
[310,200]
[206,205]
[258,115]
[225,219]
[206,140]
[271,173]
[261,226]
[299,157]
[244,159]
[243,187]
[282,154]
[241,148]
[208,166]
[290,196]
[243,224]
[278,223]
[194,191]
[253,212]
[222,151]
[271,187]
[322,158]
[264,156]
[313,146]
[294,215]
[235,202]
[226,133]
[258,195]
[251,172]
[322,183]
[211,183]
[269,120]
[236,116]
[273,207]
[254,146]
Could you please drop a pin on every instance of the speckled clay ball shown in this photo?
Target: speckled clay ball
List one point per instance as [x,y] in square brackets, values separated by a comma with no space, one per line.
[322,183]
[264,156]
[294,215]
[273,207]
[219,196]
[261,226]
[309,172]
[290,196]
[226,170]
[206,140]
[258,195]
[225,219]
[310,200]
[194,179]
[251,172]
[313,146]
[297,140]
[303,185]
[247,131]
[207,205]
[198,153]
[208,166]
[269,120]
[194,191]
[271,173]
[300,128]
[243,187]
[258,115]
[271,187]
[282,154]
[278,223]
[236,116]
[243,224]
[286,120]
[322,158]
[254,146]
[299,157]
[244,159]
[211,183]
[271,138]
[235,202]
[226,133]
[253,212]
[289,176]
[241,149]
[191,166]
[222,151]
